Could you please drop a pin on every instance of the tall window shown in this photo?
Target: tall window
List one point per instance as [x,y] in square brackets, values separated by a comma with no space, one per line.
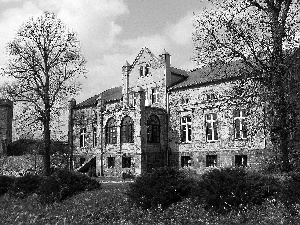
[82,137]
[126,162]
[211,160]
[211,127]
[110,162]
[146,69]
[133,98]
[141,71]
[153,129]
[240,128]
[154,95]
[94,136]
[186,129]
[111,132]
[127,130]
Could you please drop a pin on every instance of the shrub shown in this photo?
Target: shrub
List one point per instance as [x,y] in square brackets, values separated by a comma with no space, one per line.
[161,187]
[63,184]
[227,189]
[5,184]
[24,186]
[290,194]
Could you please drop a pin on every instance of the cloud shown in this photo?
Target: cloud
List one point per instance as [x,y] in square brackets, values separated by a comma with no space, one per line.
[181,31]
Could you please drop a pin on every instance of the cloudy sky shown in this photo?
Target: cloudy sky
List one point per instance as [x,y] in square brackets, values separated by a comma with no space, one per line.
[111,32]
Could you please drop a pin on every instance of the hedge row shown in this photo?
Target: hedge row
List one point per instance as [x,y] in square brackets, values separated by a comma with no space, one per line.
[60,185]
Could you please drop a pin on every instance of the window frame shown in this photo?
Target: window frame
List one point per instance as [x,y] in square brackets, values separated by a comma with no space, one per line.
[95,136]
[111,131]
[127,130]
[186,129]
[126,162]
[111,162]
[211,124]
[243,160]
[211,160]
[186,161]
[239,124]
[153,129]
[82,138]
[154,95]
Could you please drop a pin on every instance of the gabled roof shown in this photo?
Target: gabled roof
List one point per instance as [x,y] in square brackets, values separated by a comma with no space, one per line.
[179,72]
[111,94]
[209,74]
[145,49]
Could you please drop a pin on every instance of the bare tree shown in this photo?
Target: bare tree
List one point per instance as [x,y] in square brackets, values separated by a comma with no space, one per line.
[45,60]
[262,34]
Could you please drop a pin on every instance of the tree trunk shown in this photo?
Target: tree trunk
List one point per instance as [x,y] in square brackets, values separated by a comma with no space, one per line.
[47,143]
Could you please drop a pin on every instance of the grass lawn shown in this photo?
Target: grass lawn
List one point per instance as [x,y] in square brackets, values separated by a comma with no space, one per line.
[110,206]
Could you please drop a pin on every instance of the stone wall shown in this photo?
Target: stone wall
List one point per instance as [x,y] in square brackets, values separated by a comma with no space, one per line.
[199,101]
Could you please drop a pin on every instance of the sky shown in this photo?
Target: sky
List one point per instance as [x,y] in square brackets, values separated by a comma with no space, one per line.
[111,32]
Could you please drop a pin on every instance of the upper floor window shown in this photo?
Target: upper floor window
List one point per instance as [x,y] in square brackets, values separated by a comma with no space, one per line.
[144,70]
[186,129]
[127,130]
[94,136]
[154,95]
[210,96]
[211,127]
[133,97]
[82,137]
[153,129]
[111,132]
[240,128]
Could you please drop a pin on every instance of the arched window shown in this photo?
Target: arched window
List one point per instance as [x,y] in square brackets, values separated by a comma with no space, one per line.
[111,132]
[127,130]
[153,129]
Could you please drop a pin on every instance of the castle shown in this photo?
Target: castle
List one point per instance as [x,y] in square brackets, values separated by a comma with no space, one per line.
[6,116]
[165,116]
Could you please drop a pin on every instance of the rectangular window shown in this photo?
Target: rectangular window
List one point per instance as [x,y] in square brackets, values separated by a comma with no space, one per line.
[240,160]
[186,161]
[81,161]
[94,137]
[126,162]
[82,137]
[110,162]
[186,129]
[211,127]
[154,95]
[240,128]
[211,160]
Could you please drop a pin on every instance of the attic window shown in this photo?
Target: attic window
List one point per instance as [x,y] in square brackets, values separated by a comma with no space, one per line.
[146,70]
[141,71]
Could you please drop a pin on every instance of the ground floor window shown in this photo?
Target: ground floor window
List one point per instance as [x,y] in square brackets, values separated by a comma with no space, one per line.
[211,160]
[110,162]
[240,160]
[186,161]
[126,162]
[81,161]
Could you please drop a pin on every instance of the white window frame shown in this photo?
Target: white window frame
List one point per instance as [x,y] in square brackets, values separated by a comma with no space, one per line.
[211,124]
[242,130]
[83,134]
[186,127]
[154,95]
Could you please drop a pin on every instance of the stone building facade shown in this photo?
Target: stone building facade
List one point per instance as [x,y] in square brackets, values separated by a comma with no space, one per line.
[6,116]
[165,116]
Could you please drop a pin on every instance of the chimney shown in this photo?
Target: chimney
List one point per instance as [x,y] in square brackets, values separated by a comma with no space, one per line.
[125,80]
[167,62]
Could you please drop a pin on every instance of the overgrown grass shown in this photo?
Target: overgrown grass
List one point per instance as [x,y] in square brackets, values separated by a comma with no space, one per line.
[109,205]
